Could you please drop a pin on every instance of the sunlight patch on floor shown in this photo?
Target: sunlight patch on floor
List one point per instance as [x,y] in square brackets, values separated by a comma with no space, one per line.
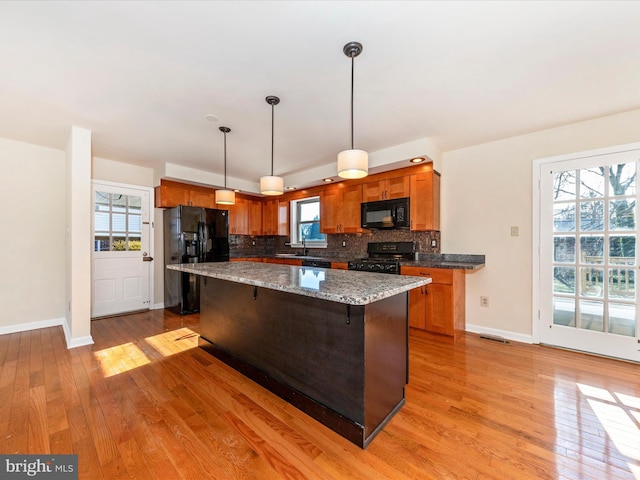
[619,415]
[127,356]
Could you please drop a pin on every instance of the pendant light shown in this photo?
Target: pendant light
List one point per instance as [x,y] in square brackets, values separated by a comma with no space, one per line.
[225,197]
[353,163]
[270,185]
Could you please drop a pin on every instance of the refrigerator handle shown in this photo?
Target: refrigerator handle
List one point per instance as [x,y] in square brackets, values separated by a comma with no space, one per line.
[203,241]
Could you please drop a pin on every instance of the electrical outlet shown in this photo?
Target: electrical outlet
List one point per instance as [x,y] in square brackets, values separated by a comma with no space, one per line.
[515,231]
[434,243]
[484,301]
[253,243]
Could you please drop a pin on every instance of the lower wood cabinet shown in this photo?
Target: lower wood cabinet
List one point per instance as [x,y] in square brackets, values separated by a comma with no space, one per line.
[438,307]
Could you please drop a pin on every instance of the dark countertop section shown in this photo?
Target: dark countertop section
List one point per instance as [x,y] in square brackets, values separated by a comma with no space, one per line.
[429,260]
[447,260]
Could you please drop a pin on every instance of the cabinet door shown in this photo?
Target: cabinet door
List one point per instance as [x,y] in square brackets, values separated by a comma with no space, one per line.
[439,308]
[425,201]
[329,210]
[349,209]
[283,218]
[386,189]
[202,199]
[397,187]
[270,217]
[239,217]
[168,196]
[255,217]
[340,265]
[417,308]
[372,191]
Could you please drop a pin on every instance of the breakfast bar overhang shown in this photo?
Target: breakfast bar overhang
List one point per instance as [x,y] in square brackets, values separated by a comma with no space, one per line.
[333,343]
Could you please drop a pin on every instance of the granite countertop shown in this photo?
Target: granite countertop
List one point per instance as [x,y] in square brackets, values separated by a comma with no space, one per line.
[447,260]
[342,286]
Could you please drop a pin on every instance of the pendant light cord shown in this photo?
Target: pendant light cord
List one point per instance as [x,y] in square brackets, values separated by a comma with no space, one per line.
[225,160]
[272,121]
[352,68]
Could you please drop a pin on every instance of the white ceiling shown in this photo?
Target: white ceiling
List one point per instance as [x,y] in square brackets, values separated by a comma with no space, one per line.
[143,75]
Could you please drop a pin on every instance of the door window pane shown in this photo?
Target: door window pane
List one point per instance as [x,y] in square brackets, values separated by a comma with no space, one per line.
[564,185]
[622,283]
[622,215]
[564,217]
[592,216]
[592,282]
[117,222]
[564,311]
[622,319]
[564,280]
[592,315]
[592,182]
[622,250]
[592,249]
[564,249]
[622,178]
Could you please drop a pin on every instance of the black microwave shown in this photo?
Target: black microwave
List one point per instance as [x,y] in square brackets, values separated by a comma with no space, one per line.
[385,214]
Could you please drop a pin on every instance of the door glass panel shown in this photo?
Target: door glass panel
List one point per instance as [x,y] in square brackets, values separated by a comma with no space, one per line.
[564,311]
[622,283]
[564,249]
[592,182]
[622,319]
[623,179]
[622,215]
[592,216]
[564,280]
[117,222]
[564,186]
[591,282]
[564,217]
[592,315]
[592,249]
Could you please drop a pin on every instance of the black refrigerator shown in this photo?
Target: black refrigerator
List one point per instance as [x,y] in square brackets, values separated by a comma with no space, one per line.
[191,235]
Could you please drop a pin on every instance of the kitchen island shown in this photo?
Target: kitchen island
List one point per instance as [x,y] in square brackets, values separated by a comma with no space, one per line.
[333,343]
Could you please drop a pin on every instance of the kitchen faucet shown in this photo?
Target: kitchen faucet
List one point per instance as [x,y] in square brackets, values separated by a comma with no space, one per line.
[304,246]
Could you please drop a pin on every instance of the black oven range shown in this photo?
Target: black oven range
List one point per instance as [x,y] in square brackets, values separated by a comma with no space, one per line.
[384,257]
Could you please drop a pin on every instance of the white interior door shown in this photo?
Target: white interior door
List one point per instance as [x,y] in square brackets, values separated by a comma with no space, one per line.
[122,249]
[588,259]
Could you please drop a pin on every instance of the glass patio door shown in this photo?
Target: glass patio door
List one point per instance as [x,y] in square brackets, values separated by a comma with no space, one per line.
[588,259]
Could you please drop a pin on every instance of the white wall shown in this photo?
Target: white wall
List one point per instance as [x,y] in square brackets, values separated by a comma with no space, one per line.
[32,244]
[486,189]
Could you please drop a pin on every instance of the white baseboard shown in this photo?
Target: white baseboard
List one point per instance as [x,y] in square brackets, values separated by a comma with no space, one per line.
[516,337]
[25,327]
[158,306]
[75,342]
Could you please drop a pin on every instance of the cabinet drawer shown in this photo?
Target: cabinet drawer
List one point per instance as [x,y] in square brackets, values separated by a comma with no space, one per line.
[438,275]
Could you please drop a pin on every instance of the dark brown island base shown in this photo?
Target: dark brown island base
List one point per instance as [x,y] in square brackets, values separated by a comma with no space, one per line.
[333,343]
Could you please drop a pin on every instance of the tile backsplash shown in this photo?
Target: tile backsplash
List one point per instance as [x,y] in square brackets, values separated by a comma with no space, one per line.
[355,244]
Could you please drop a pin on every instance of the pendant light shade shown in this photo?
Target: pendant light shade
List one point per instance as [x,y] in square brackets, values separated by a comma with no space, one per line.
[353,163]
[271,185]
[225,197]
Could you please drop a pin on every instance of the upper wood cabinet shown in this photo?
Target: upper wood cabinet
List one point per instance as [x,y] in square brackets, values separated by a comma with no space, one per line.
[275,217]
[239,217]
[425,201]
[254,216]
[385,189]
[171,194]
[340,209]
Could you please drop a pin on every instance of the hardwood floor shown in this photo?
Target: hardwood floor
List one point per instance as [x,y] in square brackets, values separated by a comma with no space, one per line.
[144,402]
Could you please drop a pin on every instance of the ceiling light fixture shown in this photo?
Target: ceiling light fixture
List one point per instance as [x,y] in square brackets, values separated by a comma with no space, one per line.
[225,197]
[327,180]
[270,185]
[353,163]
[417,160]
